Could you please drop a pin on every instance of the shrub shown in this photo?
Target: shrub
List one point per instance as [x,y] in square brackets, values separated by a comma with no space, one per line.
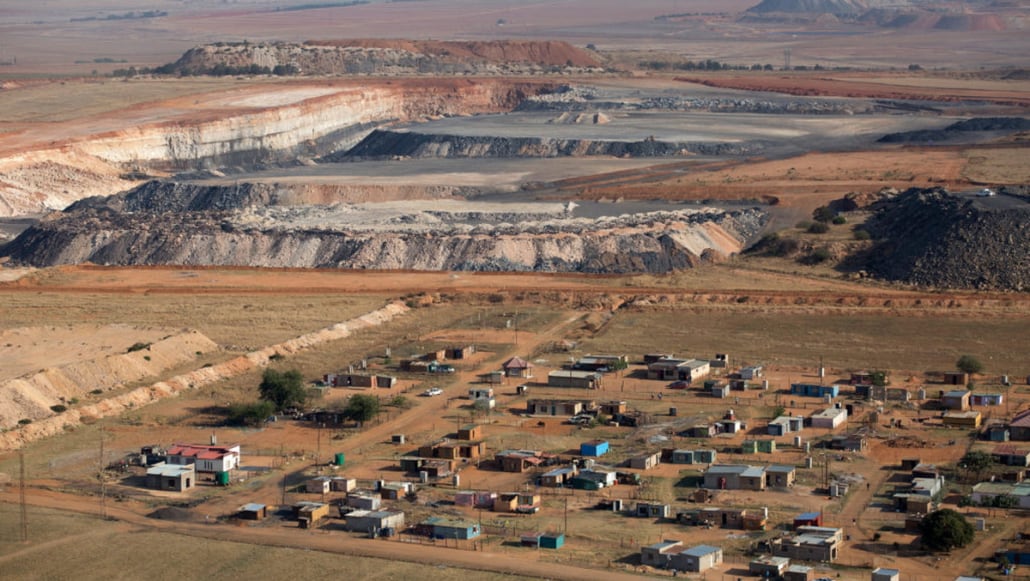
[862,235]
[24,422]
[818,228]
[97,391]
[58,408]
[819,255]
[838,220]
[138,346]
[250,414]
[773,245]
[803,225]
[822,214]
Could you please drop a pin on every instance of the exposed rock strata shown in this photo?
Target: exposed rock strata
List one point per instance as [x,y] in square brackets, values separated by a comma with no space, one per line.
[383,56]
[337,118]
[173,224]
[384,144]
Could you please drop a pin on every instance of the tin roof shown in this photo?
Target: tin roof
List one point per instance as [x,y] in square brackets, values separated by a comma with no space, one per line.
[728,469]
[1022,419]
[701,550]
[170,470]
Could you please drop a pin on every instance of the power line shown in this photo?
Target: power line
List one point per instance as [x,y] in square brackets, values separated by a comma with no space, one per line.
[21,498]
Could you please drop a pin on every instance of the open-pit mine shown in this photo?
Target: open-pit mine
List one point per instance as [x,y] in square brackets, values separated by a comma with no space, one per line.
[440,175]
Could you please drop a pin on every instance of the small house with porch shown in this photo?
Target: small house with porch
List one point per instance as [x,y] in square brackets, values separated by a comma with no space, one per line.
[518,367]
[558,477]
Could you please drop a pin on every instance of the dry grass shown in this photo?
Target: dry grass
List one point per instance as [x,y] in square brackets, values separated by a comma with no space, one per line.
[844,339]
[78,538]
[997,166]
[253,320]
[49,103]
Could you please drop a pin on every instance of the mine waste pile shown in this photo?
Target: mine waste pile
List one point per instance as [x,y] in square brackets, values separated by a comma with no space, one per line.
[265,225]
[930,237]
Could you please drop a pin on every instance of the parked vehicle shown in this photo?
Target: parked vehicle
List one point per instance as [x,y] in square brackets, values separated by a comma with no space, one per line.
[432,391]
[985,193]
[679,384]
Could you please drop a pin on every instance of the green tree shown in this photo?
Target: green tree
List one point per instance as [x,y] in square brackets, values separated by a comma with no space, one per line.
[250,414]
[879,378]
[284,390]
[946,529]
[362,408]
[976,462]
[969,364]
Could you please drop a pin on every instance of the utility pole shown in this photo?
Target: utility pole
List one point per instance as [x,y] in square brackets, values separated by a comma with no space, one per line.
[826,471]
[21,498]
[565,526]
[318,449]
[103,479]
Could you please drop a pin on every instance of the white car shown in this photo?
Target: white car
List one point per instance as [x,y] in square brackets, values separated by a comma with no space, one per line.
[985,193]
[432,391]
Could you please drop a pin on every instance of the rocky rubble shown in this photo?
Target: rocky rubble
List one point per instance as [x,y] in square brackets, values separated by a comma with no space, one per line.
[933,238]
[569,98]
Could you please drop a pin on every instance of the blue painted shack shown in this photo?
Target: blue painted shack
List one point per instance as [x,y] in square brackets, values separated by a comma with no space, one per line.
[443,528]
[552,540]
[593,448]
[814,390]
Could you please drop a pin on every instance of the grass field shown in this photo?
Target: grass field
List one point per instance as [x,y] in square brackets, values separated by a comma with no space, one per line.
[78,538]
[243,319]
[842,340]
